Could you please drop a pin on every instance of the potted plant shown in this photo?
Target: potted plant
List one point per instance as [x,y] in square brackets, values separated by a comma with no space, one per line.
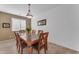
[28,30]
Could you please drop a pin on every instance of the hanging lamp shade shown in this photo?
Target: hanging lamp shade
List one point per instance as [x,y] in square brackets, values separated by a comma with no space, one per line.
[29,12]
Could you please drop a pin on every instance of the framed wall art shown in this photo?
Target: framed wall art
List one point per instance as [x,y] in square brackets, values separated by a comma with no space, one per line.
[5,25]
[41,22]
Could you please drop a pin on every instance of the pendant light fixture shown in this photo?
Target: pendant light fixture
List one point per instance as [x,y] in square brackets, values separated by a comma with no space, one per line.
[29,16]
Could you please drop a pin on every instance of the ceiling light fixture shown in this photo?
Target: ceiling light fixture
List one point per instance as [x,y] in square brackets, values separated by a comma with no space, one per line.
[29,16]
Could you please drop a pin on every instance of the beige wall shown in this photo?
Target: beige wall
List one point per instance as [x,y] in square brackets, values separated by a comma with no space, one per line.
[6,33]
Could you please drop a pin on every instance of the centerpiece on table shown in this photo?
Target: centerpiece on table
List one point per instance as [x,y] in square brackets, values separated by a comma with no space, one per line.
[28,33]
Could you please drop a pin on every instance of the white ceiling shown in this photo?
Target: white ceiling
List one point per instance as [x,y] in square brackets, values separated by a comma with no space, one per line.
[21,9]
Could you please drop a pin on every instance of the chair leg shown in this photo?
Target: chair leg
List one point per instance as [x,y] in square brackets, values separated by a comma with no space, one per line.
[21,51]
[38,52]
[16,46]
[18,49]
[45,48]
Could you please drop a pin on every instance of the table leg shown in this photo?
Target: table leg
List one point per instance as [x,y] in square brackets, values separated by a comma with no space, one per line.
[29,46]
[29,49]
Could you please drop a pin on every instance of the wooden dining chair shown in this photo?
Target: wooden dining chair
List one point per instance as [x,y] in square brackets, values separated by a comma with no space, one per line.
[20,43]
[42,44]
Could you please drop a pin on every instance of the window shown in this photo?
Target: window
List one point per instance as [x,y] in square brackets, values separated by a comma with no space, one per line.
[23,25]
[18,24]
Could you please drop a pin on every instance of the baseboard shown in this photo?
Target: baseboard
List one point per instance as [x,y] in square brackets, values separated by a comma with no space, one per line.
[63,47]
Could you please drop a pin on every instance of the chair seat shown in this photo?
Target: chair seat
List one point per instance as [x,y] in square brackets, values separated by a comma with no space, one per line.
[36,46]
[24,45]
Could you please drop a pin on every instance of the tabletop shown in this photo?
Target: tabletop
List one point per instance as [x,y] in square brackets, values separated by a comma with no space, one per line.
[24,36]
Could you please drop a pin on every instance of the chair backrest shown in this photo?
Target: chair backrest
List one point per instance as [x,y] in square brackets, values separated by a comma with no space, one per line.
[33,31]
[40,31]
[18,39]
[43,39]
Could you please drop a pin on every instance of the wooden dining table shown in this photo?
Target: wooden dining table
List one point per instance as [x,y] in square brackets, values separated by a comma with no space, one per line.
[30,39]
